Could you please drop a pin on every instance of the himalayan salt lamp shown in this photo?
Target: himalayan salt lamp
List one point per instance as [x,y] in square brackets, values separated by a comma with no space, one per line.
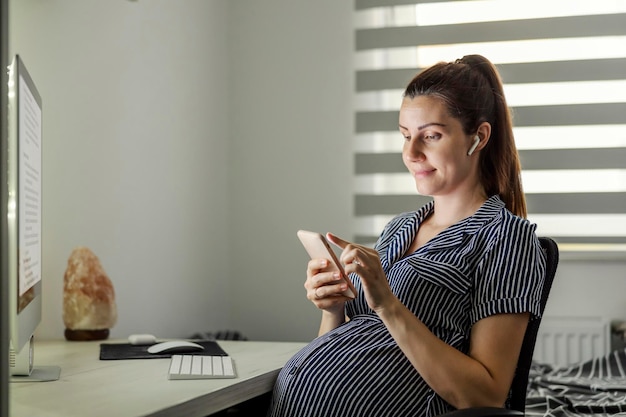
[89,309]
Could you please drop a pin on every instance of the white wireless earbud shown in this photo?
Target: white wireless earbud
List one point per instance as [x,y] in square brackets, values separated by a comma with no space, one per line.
[474,145]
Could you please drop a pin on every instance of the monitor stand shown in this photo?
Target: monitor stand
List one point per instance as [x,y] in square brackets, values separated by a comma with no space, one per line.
[22,369]
[39,374]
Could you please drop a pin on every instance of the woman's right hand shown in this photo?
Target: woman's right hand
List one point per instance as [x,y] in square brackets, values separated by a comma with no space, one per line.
[324,288]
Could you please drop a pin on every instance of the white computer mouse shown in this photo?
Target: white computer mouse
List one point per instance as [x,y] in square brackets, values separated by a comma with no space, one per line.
[175,346]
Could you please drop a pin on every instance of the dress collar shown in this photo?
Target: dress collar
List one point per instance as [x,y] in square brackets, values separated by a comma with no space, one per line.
[451,236]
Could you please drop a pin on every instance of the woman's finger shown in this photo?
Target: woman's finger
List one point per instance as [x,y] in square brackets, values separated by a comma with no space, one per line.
[337,241]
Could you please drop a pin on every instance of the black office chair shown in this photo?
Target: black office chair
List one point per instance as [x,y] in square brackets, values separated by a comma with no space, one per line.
[519,386]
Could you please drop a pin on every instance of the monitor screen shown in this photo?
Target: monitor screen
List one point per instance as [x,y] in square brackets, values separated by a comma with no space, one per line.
[24,180]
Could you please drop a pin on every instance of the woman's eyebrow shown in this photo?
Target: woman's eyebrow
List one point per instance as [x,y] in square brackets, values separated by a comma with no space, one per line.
[430,124]
[424,126]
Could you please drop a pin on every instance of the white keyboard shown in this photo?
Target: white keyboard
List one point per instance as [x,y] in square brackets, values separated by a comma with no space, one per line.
[201,367]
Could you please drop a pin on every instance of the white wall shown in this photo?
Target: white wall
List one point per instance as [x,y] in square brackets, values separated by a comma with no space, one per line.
[186,142]
[136,153]
[589,288]
[180,141]
[291,126]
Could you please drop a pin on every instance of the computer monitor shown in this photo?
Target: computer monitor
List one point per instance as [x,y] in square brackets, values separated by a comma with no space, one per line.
[4,284]
[24,208]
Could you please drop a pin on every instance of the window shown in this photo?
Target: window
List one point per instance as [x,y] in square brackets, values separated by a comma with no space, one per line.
[563,64]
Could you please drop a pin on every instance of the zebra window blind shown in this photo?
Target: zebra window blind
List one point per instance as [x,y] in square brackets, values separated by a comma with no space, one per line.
[563,65]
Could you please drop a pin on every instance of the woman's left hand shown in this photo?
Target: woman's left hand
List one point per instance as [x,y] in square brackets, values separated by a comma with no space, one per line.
[365,262]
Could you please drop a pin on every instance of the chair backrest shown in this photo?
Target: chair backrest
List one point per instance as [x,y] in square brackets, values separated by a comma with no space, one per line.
[517,395]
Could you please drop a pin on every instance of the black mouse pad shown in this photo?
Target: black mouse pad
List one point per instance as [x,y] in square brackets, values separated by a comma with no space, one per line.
[112,351]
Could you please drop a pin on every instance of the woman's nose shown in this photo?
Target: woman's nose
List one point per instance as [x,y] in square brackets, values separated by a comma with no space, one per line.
[412,151]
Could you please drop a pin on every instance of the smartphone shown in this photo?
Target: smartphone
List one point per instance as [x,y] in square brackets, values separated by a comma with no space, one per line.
[318,247]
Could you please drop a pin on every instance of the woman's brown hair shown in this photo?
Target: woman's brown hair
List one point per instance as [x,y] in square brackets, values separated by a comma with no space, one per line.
[472,91]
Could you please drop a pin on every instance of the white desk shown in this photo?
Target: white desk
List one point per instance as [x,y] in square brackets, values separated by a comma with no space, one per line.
[91,387]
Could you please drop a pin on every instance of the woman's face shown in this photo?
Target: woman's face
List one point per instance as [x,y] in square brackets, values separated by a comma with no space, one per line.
[435,148]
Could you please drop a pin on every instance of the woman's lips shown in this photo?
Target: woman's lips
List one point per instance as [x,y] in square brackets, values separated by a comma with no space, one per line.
[421,173]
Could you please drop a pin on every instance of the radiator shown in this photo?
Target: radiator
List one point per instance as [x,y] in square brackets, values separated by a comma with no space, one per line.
[564,341]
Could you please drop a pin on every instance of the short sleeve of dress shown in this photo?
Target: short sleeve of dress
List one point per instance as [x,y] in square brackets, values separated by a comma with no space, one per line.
[509,277]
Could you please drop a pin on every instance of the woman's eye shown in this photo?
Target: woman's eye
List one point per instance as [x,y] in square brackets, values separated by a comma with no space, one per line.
[432,136]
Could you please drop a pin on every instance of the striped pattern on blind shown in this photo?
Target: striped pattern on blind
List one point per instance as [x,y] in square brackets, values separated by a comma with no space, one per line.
[573,150]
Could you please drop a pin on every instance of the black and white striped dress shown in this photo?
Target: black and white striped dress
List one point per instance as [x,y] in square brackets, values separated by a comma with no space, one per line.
[487,264]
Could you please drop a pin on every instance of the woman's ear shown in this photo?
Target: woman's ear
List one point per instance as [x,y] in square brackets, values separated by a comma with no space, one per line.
[484,133]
